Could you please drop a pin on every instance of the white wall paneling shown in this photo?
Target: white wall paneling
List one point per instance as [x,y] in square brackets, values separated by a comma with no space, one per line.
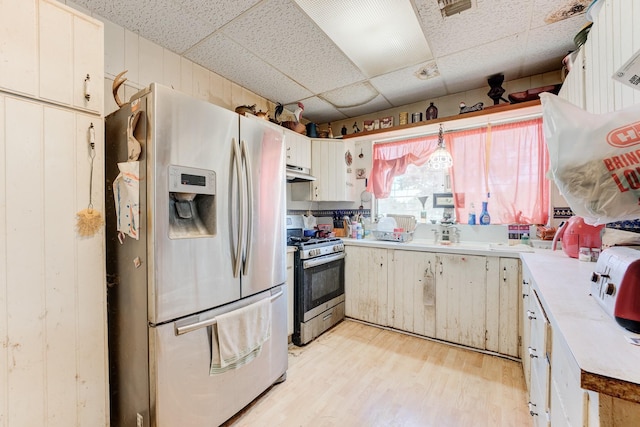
[54,363]
[150,62]
[171,70]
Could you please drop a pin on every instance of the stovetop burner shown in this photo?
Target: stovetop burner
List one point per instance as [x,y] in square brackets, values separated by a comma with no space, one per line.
[306,242]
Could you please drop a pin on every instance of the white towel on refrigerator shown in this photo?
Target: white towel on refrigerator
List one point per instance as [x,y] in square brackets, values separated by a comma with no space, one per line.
[126,193]
[238,336]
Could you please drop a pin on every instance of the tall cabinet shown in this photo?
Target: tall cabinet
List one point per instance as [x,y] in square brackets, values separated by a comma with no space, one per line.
[53,338]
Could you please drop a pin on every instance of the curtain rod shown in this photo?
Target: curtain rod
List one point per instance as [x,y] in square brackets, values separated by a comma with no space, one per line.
[473,126]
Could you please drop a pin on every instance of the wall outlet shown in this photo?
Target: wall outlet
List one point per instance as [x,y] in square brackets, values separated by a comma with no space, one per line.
[139,420]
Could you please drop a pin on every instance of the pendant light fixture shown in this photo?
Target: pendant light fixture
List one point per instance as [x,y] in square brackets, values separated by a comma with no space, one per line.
[441,158]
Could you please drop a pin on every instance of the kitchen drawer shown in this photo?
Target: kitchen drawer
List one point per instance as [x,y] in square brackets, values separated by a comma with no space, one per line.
[557,417]
[570,398]
[538,399]
[539,347]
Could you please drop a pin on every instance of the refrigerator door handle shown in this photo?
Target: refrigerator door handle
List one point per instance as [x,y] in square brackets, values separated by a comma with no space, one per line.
[237,260]
[249,210]
[181,330]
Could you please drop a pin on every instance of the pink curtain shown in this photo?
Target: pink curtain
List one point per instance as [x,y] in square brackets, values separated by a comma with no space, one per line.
[507,161]
[392,158]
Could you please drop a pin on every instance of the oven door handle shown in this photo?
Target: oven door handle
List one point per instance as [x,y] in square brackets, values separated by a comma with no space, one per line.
[314,262]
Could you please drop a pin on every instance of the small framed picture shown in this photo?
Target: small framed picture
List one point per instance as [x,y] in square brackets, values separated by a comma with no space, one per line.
[361,173]
[443,200]
[368,125]
[386,122]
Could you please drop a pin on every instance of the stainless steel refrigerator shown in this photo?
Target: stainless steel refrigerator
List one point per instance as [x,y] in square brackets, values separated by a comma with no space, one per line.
[204,236]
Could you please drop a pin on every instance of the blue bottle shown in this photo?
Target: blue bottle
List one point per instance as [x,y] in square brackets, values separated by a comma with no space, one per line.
[485,218]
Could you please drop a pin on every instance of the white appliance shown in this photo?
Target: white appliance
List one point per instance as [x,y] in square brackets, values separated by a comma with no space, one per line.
[211,241]
[615,284]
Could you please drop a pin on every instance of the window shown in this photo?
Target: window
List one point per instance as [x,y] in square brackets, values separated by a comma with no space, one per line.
[408,189]
[508,162]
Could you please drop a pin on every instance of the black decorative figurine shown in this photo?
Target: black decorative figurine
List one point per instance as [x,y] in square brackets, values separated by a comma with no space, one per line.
[496,91]
[432,112]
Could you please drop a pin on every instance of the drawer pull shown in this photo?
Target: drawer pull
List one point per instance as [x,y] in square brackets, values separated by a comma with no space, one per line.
[532,406]
[532,353]
[327,316]
[531,315]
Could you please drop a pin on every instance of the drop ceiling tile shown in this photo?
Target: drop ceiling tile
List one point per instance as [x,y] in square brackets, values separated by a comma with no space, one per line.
[216,12]
[378,104]
[317,110]
[232,61]
[552,42]
[161,21]
[282,35]
[351,96]
[503,56]
[403,87]
[568,8]
[486,21]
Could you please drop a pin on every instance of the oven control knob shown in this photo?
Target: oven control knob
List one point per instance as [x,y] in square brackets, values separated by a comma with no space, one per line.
[595,277]
[610,289]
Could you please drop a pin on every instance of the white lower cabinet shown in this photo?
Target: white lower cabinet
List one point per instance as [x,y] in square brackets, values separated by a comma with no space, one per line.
[461,299]
[464,299]
[366,284]
[539,351]
[556,398]
[502,305]
[525,322]
[412,294]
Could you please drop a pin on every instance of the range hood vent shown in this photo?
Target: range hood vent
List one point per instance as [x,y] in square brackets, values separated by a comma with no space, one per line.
[451,7]
[298,174]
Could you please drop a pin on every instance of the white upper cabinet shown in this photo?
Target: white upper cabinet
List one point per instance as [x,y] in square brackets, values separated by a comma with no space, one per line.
[298,149]
[332,165]
[19,47]
[53,53]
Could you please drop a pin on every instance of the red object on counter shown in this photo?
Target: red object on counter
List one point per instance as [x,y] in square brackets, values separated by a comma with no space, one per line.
[627,306]
[576,234]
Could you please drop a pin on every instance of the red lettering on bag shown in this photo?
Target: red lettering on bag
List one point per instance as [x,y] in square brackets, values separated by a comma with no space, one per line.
[609,165]
[625,136]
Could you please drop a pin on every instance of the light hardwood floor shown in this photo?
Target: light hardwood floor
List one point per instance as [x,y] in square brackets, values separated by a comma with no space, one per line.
[362,376]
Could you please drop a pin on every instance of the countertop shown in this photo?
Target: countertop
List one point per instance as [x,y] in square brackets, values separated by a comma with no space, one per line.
[428,245]
[608,363]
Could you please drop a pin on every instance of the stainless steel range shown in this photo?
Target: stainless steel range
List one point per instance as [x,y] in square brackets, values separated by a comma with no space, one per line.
[318,283]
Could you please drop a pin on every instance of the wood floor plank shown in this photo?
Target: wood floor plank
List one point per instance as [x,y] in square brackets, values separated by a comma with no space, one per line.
[362,376]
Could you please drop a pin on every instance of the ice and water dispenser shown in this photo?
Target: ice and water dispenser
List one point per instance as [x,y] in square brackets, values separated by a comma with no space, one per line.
[192,202]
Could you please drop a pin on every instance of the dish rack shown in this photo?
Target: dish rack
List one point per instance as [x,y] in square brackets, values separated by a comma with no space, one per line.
[393,236]
[408,222]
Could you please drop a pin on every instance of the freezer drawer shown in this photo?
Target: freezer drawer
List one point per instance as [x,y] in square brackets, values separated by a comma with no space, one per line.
[184,392]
